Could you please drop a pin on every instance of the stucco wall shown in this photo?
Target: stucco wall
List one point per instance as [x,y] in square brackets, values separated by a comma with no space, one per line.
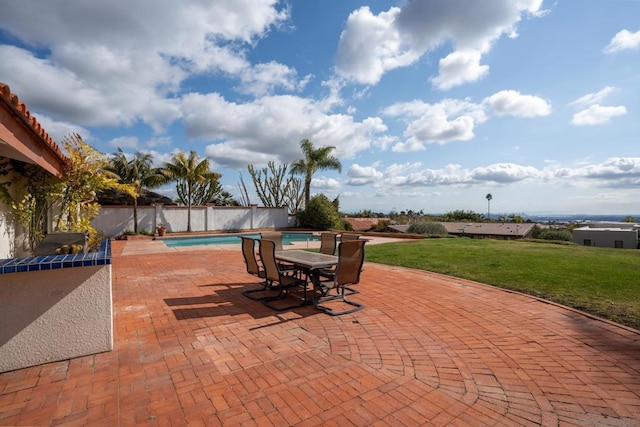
[121,218]
[606,238]
[54,315]
[115,220]
[13,240]
[7,234]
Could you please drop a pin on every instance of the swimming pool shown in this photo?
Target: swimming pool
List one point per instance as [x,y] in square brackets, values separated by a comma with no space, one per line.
[225,239]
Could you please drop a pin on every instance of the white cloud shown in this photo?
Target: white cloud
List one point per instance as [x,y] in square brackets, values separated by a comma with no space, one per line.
[505,173]
[264,79]
[459,67]
[115,63]
[453,174]
[446,121]
[125,142]
[512,103]
[597,115]
[371,45]
[363,175]
[271,127]
[454,120]
[615,172]
[58,130]
[325,184]
[623,40]
[592,112]
[593,98]
[183,32]
[618,172]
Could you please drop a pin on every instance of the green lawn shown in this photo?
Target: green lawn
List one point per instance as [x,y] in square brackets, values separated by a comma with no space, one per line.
[604,282]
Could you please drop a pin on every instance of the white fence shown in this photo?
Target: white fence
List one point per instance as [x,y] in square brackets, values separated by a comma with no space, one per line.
[116,220]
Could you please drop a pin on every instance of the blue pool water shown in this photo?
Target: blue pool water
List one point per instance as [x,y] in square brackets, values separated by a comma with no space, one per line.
[287,239]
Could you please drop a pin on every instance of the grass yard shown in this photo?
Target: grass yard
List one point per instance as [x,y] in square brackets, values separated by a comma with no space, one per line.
[604,282]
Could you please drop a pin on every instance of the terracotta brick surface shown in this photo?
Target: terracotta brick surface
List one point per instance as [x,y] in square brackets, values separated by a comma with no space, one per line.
[428,349]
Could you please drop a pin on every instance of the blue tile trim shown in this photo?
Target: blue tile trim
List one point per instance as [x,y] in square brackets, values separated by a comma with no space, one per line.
[52,262]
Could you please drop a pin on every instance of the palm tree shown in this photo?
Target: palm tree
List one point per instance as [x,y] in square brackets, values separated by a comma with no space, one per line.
[489,197]
[315,159]
[192,175]
[136,172]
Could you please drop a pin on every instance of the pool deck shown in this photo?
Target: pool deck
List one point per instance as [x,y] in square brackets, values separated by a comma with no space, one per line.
[428,349]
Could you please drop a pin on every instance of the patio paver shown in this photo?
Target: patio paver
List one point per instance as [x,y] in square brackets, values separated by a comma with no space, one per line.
[427,349]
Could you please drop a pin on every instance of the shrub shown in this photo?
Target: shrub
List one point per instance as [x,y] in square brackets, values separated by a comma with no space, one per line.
[428,228]
[346,225]
[560,234]
[320,214]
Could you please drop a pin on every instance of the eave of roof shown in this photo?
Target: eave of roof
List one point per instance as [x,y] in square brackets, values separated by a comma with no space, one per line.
[23,138]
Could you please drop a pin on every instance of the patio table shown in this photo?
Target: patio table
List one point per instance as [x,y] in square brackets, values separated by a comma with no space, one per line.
[307,260]
[310,262]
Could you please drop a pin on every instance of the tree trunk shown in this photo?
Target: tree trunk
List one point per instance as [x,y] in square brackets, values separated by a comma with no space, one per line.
[307,191]
[135,215]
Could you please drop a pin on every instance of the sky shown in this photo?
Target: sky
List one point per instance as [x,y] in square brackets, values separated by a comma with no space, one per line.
[430,104]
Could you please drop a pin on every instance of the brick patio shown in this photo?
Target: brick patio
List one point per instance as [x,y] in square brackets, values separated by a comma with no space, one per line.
[427,349]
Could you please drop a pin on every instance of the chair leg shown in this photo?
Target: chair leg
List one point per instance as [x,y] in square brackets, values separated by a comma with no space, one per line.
[284,293]
[352,291]
[342,296]
[266,286]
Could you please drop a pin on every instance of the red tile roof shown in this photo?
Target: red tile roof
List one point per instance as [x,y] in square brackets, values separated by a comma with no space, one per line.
[363,224]
[21,111]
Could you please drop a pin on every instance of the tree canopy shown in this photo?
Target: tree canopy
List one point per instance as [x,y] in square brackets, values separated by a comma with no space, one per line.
[136,172]
[315,159]
[196,184]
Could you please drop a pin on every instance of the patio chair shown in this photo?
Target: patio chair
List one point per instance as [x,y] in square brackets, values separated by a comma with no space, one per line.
[328,243]
[345,237]
[249,254]
[276,238]
[350,261]
[275,275]
[328,274]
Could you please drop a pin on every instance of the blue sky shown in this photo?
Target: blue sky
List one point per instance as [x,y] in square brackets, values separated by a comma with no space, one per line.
[431,104]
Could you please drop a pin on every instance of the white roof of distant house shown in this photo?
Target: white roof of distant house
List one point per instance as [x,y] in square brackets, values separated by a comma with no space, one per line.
[481,228]
[606,228]
[611,224]
[489,228]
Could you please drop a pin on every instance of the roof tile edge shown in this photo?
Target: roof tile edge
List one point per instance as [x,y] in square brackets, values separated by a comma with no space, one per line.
[21,109]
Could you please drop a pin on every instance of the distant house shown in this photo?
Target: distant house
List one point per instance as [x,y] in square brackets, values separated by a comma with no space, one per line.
[22,139]
[607,237]
[490,230]
[363,224]
[483,230]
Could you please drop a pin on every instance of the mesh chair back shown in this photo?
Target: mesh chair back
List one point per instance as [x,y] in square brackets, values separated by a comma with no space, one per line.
[275,237]
[268,257]
[328,243]
[350,260]
[248,252]
[346,237]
